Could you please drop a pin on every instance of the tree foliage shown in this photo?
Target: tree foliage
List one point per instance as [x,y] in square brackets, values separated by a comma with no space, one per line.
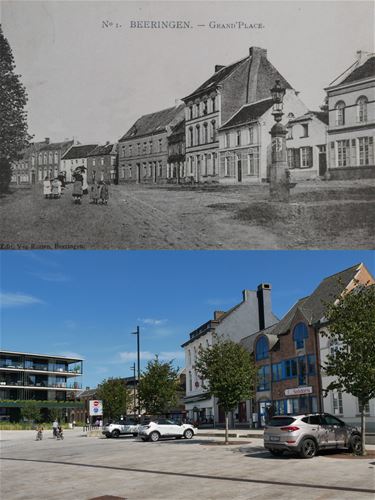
[158,387]
[351,323]
[115,397]
[13,117]
[31,411]
[228,372]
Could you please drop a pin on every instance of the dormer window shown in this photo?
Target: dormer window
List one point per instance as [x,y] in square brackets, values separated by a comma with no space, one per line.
[300,333]
[262,348]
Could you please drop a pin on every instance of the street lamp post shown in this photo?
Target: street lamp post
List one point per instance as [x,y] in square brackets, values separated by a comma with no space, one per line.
[279,172]
[138,363]
[135,381]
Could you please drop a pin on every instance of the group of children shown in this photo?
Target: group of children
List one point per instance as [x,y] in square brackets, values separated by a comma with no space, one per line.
[52,188]
[99,193]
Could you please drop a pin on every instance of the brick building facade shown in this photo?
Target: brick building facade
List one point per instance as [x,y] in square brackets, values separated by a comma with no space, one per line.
[143,150]
[102,164]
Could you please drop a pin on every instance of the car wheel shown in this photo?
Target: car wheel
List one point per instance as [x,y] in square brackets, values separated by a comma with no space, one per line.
[188,434]
[308,448]
[115,433]
[154,436]
[276,453]
[355,445]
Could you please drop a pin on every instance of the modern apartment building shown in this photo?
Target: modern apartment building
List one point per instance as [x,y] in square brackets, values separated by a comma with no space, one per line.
[40,377]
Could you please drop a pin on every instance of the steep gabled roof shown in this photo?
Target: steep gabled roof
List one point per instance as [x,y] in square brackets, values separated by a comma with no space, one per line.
[366,70]
[258,76]
[102,150]
[216,78]
[154,122]
[76,152]
[56,145]
[313,306]
[249,342]
[248,113]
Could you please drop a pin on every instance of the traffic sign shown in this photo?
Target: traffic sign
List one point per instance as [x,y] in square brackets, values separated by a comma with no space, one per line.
[96,408]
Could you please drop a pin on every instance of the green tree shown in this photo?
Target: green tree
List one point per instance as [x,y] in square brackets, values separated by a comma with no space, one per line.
[115,397]
[227,370]
[13,117]
[158,387]
[31,411]
[351,327]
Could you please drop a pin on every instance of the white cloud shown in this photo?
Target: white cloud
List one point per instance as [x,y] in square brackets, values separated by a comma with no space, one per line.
[52,277]
[153,321]
[148,356]
[18,300]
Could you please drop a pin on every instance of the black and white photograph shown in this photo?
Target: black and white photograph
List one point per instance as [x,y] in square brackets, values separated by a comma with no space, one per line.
[188,125]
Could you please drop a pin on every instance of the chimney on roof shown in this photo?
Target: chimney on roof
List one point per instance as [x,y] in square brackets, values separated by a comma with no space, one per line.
[218,314]
[256,54]
[46,140]
[106,143]
[361,56]
[218,67]
[264,304]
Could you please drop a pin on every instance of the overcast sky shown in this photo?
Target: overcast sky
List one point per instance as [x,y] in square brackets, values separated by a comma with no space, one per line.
[92,82]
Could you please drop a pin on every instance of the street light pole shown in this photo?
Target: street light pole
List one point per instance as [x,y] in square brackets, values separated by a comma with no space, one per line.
[134,402]
[138,364]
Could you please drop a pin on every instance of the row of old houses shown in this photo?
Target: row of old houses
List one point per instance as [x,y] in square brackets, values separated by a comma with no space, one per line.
[220,133]
[289,354]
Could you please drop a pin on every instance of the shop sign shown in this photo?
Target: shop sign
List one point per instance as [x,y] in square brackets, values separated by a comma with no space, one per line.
[296,391]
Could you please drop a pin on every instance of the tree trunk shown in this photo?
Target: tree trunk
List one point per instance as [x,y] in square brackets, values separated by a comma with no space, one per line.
[363,430]
[226,426]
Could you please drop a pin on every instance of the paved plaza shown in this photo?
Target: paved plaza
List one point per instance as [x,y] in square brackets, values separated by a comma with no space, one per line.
[83,468]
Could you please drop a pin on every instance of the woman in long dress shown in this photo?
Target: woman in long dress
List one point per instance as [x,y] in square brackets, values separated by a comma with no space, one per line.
[77,188]
[47,187]
[103,193]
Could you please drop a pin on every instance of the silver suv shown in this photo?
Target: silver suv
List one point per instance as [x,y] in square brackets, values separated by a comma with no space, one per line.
[307,434]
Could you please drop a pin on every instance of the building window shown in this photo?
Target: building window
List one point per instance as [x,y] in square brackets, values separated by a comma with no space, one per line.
[102,162]
[289,132]
[213,130]
[277,373]
[45,159]
[343,157]
[253,163]
[227,140]
[196,114]
[226,166]
[362,109]
[238,138]
[130,171]
[160,145]
[300,333]
[198,134]
[33,160]
[213,101]
[251,135]
[150,146]
[205,107]
[191,112]
[263,379]
[93,162]
[262,349]
[340,113]
[367,407]
[190,381]
[130,149]
[306,157]
[160,168]
[139,148]
[305,130]
[366,156]
[337,403]
[205,133]
[56,157]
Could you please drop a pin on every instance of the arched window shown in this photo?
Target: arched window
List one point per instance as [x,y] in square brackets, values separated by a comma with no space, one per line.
[262,349]
[213,130]
[191,137]
[205,133]
[300,333]
[198,133]
[340,113]
[362,109]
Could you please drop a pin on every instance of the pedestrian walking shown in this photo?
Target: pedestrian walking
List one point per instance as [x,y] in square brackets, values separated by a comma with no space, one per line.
[94,193]
[55,426]
[56,188]
[39,433]
[103,192]
[85,186]
[47,189]
[77,188]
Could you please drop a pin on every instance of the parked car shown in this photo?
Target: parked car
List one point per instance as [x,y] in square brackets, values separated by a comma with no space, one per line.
[115,429]
[164,428]
[307,434]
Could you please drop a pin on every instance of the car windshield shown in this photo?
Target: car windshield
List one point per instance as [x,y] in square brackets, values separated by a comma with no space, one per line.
[280,421]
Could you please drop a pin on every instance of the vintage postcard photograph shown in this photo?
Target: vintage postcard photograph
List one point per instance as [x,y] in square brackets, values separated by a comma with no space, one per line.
[187,125]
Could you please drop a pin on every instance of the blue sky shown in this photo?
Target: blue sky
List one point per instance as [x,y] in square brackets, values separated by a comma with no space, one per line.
[86,303]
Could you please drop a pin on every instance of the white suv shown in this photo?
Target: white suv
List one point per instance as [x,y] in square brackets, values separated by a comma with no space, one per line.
[164,428]
[115,429]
